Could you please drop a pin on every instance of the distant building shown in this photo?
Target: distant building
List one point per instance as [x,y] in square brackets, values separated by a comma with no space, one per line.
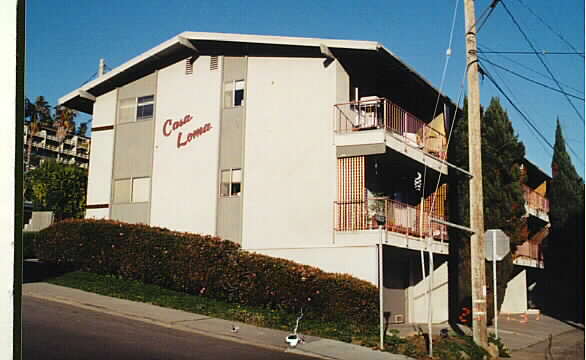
[73,149]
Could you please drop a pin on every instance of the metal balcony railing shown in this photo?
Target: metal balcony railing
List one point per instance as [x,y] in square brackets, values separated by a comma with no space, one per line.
[535,200]
[530,250]
[391,215]
[380,113]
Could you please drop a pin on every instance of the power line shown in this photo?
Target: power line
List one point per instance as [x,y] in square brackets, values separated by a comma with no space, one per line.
[551,29]
[512,94]
[484,16]
[533,70]
[90,78]
[542,61]
[531,124]
[542,52]
[530,80]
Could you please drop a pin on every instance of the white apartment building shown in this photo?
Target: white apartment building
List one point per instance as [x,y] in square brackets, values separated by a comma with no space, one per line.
[313,150]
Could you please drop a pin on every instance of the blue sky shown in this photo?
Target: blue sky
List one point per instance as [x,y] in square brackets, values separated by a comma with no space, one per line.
[65,40]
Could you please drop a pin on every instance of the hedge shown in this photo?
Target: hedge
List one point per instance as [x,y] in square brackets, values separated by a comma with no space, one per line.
[28,239]
[207,266]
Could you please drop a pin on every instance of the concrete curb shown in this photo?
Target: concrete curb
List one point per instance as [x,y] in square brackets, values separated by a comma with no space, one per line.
[201,325]
[172,325]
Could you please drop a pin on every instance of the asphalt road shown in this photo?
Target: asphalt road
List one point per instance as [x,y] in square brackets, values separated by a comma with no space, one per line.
[53,330]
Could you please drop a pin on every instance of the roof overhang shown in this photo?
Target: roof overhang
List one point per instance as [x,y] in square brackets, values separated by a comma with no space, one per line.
[188,44]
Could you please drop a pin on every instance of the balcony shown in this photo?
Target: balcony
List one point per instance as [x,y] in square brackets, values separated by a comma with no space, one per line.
[374,120]
[536,204]
[363,221]
[529,254]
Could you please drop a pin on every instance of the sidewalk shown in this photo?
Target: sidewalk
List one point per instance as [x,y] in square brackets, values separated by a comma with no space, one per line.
[526,337]
[518,332]
[204,325]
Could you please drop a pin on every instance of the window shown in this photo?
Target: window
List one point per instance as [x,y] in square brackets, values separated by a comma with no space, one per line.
[231,182]
[132,190]
[122,190]
[141,189]
[136,109]
[145,107]
[234,93]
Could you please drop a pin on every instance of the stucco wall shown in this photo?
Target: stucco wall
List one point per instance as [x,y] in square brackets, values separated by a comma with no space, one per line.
[105,110]
[290,161]
[358,261]
[101,155]
[184,182]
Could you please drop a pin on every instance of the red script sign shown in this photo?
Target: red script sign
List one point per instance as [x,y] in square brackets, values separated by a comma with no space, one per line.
[170,126]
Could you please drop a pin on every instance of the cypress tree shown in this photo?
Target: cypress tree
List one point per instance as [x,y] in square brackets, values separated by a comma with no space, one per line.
[502,154]
[564,248]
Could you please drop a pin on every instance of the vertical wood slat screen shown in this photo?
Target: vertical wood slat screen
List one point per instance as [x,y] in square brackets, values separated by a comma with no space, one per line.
[439,210]
[351,208]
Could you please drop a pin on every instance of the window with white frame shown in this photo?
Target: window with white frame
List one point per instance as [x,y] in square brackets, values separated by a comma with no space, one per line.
[136,109]
[230,182]
[234,93]
[132,190]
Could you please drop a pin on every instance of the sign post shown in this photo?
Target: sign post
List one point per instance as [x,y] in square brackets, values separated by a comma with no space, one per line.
[497,246]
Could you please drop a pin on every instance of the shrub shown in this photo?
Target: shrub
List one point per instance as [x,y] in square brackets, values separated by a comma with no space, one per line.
[28,238]
[209,266]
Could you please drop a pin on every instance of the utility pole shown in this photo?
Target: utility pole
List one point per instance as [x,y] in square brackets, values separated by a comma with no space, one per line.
[101,68]
[475,164]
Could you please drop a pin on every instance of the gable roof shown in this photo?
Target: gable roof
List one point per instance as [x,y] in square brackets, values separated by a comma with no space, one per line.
[187,44]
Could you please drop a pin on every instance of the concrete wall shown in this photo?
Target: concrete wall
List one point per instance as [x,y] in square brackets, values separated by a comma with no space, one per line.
[515,301]
[417,292]
[101,156]
[133,150]
[184,182]
[290,177]
[358,261]
[232,125]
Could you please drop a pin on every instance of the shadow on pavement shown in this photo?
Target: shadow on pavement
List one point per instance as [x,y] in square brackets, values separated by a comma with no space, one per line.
[36,271]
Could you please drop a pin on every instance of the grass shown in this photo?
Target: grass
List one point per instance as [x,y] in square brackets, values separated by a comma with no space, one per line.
[270,318]
[415,346]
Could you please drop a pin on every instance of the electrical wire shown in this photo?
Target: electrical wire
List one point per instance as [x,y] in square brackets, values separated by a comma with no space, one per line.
[512,94]
[90,79]
[532,70]
[530,80]
[535,129]
[551,29]
[483,17]
[542,52]
[444,72]
[541,60]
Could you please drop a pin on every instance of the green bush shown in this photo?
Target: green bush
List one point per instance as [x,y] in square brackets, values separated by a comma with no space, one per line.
[208,266]
[28,239]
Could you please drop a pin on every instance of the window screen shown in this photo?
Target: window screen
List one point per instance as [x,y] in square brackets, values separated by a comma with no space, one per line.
[126,110]
[225,183]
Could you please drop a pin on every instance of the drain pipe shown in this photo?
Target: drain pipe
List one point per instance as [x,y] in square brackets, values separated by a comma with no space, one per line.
[380,289]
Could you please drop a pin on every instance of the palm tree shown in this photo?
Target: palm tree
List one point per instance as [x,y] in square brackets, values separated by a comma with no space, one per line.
[38,114]
[64,121]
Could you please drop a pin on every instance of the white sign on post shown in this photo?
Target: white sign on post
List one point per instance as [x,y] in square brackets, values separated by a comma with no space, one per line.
[496,246]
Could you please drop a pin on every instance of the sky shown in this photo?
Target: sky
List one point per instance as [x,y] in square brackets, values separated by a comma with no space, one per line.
[66,39]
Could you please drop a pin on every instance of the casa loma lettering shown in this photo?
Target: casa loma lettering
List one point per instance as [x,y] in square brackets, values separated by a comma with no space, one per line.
[183,139]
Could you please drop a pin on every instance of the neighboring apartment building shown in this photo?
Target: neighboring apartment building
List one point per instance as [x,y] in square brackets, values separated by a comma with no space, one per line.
[313,150]
[523,289]
[71,149]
